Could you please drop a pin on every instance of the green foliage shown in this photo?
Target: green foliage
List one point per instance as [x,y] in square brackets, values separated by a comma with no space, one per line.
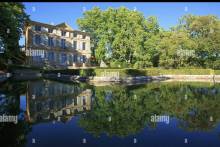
[126,36]
[12,20]
[86,72]
[148,54]
[176,50]
[204,31]
[118,64]
[124,30]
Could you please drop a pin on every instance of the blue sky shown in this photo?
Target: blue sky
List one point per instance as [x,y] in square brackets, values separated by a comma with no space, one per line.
[167,13]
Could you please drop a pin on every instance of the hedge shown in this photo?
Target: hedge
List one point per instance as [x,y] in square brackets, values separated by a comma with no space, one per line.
[134,72]
[187,71]
[217,72]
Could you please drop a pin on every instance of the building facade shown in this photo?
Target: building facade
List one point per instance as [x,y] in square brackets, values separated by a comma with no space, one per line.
[56,46]
[48,100]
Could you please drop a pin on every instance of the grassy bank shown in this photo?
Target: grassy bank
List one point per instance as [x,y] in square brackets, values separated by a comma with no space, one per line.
[135,72]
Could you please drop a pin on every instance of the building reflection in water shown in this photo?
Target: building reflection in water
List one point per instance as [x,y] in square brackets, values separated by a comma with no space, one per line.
[49,100]
[190,107]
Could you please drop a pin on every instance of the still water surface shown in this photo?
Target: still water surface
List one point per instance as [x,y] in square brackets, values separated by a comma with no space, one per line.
[59,114]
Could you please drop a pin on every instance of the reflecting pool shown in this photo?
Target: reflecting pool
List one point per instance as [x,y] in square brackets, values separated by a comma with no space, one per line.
[156,114]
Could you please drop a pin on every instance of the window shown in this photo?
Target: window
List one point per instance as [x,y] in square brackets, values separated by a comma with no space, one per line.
[51,56]
[36,58]
[84,46]
[75,101]
[84,36]
[70,59]
[50,30]
[63,59]
[50,41]
[84,100]
[45,55]
[57,57]
[37,39]
[74,45]
[81,58]
[63,33]
[84,59]
[63,45]
[74,34]
[75,58]
[37,28]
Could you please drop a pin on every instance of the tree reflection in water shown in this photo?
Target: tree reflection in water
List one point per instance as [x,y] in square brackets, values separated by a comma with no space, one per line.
[131,107]
[12,135]
[115,110]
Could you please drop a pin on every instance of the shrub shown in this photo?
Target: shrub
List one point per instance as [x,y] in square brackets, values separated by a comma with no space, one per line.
[86,72]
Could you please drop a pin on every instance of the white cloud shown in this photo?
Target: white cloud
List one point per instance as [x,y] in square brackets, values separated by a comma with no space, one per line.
[186,9]
[33,9]
[84,9]
[135,8]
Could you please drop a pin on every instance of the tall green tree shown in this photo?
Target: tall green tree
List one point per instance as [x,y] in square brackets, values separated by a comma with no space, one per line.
[117,34]
[126,36]
[205,31]
[193,42]
[12,20]
[176,49]
[148,55]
